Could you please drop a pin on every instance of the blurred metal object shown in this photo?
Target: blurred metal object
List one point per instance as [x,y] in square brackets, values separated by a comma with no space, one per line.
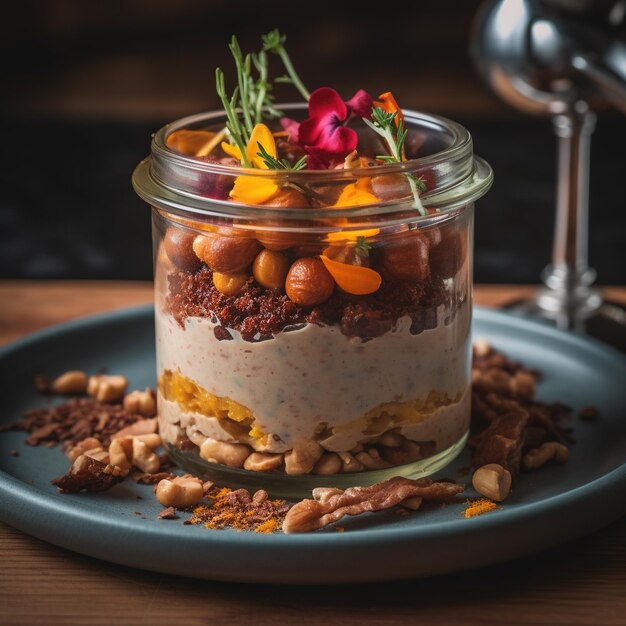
[560,58]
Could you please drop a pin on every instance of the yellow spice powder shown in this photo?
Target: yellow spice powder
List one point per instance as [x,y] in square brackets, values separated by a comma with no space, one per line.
[479,507]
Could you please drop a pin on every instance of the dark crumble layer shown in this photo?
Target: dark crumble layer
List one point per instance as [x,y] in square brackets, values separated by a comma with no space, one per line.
[259,313]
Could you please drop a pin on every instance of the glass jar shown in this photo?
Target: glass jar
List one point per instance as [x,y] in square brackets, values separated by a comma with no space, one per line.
[319,332]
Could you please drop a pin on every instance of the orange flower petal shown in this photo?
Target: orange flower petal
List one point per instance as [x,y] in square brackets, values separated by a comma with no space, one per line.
[189,142]
[388,103]
[253,189]
[356,194]
[260,134]
[354,279]
[231,150]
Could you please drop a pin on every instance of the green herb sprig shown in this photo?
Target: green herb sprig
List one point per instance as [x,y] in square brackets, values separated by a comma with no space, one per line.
[362,246]
[384,124]
[274,42]
[233,124]
[279,164]
[252,101]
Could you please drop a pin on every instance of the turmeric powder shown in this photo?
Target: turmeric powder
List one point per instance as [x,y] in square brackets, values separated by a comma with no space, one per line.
[479,507]
[240,511]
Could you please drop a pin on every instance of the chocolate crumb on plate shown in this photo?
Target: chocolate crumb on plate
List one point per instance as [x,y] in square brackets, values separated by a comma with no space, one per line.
[168,513]
[589,414]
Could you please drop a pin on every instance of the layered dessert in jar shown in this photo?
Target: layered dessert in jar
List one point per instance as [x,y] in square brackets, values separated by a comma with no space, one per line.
[313,283]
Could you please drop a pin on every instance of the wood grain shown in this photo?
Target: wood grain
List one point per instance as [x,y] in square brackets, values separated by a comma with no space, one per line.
[580,583]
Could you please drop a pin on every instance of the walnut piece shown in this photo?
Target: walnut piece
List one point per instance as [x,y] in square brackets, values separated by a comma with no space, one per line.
[142,402]
[330,505]
[546,452]
[180,492]
[138,451]
[105,388]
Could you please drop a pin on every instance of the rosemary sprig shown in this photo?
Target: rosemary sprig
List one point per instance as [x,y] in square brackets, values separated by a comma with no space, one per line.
[279,164]
[261,98]
[233,123]
[384,124]
[274,42]
[244,65]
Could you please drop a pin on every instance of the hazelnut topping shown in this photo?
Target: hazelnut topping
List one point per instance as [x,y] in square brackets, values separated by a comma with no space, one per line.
[309,283]
[226,255]
[270,269]
[407,259]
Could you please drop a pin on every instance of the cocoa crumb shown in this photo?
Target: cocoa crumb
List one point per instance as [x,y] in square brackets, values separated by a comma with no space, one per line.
[258,313]
[589,414]
[13,453]
[507,421]
[73,421]
[87,474]
[168,513]
[150,479]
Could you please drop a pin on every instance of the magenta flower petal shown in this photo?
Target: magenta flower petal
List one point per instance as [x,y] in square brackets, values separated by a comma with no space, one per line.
[292,127]
[326,100]
[324,134]
[360,104]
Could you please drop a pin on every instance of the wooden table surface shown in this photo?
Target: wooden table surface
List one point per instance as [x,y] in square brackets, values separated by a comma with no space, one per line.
[582,582]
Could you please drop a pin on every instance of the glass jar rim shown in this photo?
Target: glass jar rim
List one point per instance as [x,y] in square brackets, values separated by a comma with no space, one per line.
[163,179]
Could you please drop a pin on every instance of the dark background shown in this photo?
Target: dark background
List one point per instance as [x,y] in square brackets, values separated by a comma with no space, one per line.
[85,83]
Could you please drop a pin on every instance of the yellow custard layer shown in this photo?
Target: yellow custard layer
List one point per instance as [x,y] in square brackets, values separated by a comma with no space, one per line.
[239,421]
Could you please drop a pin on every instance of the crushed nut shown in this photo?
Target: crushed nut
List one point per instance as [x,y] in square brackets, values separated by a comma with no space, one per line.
[371,460]
[105,388]
[263,462]
[141,402]
[180,492]
[141,427]
[90,443]
[492,481]
[71,383]
[391,439]
[329,507]
[301,459]
[329,464]
[138,451]
[407,452]
[349,464]
[231,454]
[546,452]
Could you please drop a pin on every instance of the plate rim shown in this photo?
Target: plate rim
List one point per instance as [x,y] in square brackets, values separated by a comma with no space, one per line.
[19,495]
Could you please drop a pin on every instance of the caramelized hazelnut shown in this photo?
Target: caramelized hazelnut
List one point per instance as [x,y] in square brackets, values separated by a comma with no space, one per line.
[178,245]
[229,284]
[309,283]
[390,187]
[289,199]
[277,240]
[407,259]
[227,255]
[448,257]
[270,269]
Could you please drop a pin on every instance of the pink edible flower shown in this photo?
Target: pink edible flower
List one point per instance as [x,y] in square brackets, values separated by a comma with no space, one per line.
[324,134]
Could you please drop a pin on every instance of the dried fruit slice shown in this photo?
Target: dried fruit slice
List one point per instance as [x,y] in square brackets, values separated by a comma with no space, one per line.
[353,279]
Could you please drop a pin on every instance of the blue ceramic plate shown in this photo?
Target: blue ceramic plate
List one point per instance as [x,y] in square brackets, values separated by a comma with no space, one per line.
[545,508]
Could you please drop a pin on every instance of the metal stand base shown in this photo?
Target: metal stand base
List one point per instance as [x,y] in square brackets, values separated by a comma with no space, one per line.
[607,323]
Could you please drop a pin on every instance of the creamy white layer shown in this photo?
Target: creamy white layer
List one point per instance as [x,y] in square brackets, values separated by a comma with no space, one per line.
[316,375]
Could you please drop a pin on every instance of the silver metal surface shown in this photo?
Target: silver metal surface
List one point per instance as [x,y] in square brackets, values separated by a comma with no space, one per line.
[559,58]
